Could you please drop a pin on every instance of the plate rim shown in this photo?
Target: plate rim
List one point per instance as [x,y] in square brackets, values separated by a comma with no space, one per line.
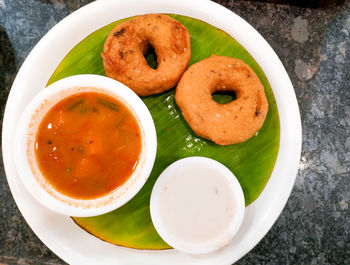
[204,7]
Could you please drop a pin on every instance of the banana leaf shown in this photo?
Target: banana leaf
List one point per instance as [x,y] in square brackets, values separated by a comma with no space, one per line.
[251,162]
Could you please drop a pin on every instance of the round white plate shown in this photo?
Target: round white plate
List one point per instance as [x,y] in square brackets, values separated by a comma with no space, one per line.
[69,241]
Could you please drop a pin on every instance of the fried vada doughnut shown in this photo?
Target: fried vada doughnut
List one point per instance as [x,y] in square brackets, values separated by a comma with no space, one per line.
[229,123]
[125,47]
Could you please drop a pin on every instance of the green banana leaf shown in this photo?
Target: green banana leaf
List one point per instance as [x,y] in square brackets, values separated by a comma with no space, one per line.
[251,162]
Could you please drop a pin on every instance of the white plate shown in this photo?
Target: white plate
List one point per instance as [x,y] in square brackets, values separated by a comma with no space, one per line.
[76,246]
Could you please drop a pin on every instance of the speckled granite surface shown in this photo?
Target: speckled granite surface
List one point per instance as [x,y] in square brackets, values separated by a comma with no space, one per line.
[314,46]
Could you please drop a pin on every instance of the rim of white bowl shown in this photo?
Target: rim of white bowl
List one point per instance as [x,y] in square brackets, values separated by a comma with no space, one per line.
[235,188]
[33,114]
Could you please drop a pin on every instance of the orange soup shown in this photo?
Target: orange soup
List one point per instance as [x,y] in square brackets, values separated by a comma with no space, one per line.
[87,145]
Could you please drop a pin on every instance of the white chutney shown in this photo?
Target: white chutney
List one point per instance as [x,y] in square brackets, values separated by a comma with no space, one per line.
[197,205]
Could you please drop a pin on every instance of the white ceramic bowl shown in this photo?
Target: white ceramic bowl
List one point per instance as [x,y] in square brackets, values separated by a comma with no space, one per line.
[197,205]
[30,120]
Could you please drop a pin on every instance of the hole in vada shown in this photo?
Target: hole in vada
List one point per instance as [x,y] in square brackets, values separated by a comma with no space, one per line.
[223,97]
[151,57]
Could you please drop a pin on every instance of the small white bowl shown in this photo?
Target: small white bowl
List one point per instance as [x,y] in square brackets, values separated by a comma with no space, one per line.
[197,205]
[25,136]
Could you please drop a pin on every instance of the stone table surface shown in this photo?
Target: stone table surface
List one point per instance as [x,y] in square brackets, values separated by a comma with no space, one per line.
[314,46]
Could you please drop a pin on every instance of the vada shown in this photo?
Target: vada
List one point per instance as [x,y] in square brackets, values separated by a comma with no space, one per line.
[229,123]
[125,47]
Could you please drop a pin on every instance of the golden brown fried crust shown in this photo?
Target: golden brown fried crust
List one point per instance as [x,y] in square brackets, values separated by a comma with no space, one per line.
[229,123]
[124,49]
